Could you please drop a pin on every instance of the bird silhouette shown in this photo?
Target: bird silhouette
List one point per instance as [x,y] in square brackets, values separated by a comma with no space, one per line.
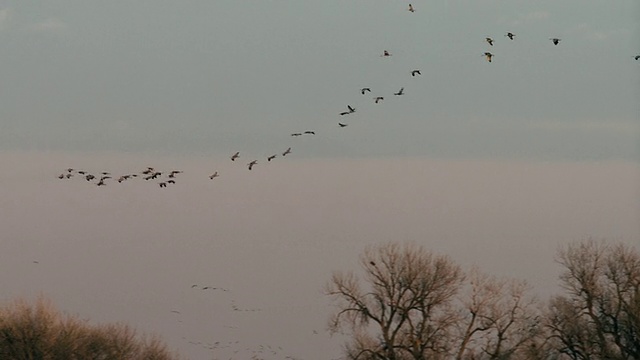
[415,72]
[400,92]
[510,35]
[489,40]
[342,125]
[214,175]
[411,8]
[162,184]
[488,55]
[310,132]
[385,54]
[364,90]
[271,157]
[637,57]
[296,134]
[377,99]
[351,109]
[235,156]
[288,151]
[252,164]
[555,41]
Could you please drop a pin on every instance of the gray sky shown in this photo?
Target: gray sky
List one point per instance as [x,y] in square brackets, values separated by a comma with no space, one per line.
[496,164]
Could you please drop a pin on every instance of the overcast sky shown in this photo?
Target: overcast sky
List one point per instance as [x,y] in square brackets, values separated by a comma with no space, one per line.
[496,164]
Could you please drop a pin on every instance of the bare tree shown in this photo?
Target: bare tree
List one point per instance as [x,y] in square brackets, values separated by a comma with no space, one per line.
[499,319]
[407,304]
[598,318]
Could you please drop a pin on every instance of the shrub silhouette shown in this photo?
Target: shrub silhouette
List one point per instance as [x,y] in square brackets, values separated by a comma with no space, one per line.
[40,332]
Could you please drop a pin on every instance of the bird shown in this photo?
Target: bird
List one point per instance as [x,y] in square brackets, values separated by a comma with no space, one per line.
[415,72]
[193,286]
[214,175]
[411,8]
[271,157]
[288,151]
[510,35]
[173,173]
[400,92]
[385,54]
[637,57]
[372,263]
[252,163]
[344,113]
[296,134]
[61,176]
[488,55]
[351,109]
[69,169]
[364,90]
[555,41]
[342,125]
[377,99]
[68,176]
[162,184]
[489,40]
[171,181]
[89,177]
[235,156]
[310,132]
[100,183]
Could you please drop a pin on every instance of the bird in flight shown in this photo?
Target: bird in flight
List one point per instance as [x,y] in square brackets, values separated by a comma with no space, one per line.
[415,72]
[385,54]
[342,125]
[510,35]
[310,132]
[411,8]
[364,90]
[162,184]
[235,156]
[489,40]
[555,41]
[288,151]
[251,164]
[351,110]
[377,99]
[214,175]
[637,57]
[400,92]
[488,55]
[271,157]
[296,134]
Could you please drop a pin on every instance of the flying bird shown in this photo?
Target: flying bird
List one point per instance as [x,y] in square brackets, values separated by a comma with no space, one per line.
[214,175]
[489,40]
[510,35]
[555,41]
[310,132]
[251,164]
[377,99]
[235,156]
[288,151]
[488,55]
[637,57]
[364,90]
[351,109]
[400,92]
[411,8]
[296,134]
[100,183]
[271,157]
[171,181]
[415,72]
[342,125]
[385,54]
[162,184]
[61,176]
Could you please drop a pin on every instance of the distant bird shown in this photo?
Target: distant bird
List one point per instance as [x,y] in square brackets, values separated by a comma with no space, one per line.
[385,54]
[105,173]
[489,40]
[637,57]
[271,157]
[100,183]
[377,99]
[69,170]
[36,262]
[510,35]
[342,125]
[173,173]
[235,156]
[175,311]
[105,177]
[351,109]
[171,181]
[411,8]
[364,90]
[68,176]
[372,263]
[82,172]
[288,151]
[89,177]
[296,134]
[61,176]
[162,184]
[214,175]
[193,286]
[344,113]
[415,72]
[400,92]
[251,164]
[310,132]
[555,41]
[488,55]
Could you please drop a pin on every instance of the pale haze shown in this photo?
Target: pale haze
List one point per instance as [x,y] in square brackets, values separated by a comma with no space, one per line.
[496,164]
